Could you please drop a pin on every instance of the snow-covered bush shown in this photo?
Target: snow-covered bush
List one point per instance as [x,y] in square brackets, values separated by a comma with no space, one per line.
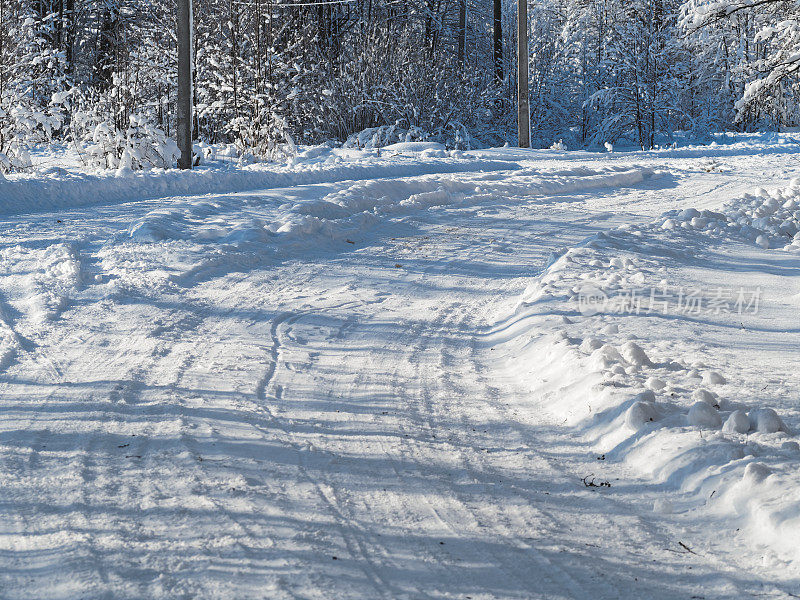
[456,136]
[22,127]
[264,138]
[24,124]
[15,157]
[34,87]
[453,135]
[385,135]
[140,146]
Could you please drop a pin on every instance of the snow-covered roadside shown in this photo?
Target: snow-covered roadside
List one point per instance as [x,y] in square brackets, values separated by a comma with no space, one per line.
[60,181]
[352,210]
[56,188]
[185,416]
[671,349]
[203,398]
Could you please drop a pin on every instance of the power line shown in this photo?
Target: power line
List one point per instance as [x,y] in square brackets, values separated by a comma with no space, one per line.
[292,4]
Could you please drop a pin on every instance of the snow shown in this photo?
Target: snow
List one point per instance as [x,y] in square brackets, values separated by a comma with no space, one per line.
[641,414]
[741,357]
[58,189]
[364,375]
[737,422]
[704,415]
[765,420]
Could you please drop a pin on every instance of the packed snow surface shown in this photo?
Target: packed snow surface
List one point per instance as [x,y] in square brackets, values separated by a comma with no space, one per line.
[410,373]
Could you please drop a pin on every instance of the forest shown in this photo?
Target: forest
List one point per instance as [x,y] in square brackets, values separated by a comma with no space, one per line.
[100,75]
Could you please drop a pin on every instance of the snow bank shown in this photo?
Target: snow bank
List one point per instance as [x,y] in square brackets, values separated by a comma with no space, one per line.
[718,145]
[43,280]
[647,388]
[344,215]
[770,219]
[58,189]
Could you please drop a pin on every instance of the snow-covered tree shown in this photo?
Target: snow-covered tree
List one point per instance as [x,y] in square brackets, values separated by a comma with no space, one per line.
[756,45]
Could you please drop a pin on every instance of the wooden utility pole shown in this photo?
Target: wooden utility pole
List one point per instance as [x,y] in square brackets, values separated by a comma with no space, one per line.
[523,101]
[185,45]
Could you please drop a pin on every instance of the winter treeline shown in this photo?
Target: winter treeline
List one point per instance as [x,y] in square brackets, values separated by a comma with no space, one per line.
[640,70]
[100,75]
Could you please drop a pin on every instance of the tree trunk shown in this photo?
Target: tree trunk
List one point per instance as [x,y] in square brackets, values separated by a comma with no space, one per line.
[462,31]
[69,36]
[498,40]
[107,48]
[3,11]
[234,16]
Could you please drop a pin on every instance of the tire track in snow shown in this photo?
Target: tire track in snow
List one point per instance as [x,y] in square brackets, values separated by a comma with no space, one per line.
[371,546]
[11,342]
[440,328]
[452,510]
[85,502]
[348,528]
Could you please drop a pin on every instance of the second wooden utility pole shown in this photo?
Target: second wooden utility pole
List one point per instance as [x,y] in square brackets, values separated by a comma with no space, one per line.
[523,101]
[184,120]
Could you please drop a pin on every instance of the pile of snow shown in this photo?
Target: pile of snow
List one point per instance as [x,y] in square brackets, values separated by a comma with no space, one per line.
[9,342]
[602,365]
[57,188]
[346,214]
[770,219]
[43,279]
[431,149]
[48,277]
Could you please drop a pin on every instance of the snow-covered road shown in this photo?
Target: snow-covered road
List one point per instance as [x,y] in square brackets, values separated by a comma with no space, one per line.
[293,393]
